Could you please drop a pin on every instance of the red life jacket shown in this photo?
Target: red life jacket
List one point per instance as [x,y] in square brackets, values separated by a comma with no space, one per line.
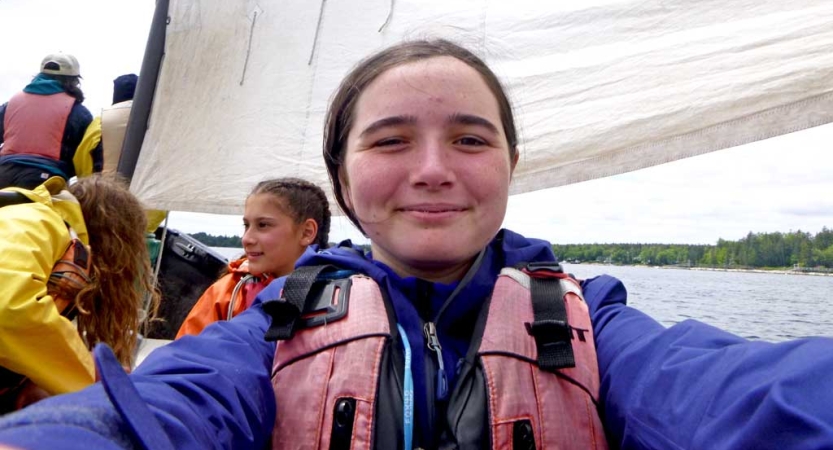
[329,376]
[34,124]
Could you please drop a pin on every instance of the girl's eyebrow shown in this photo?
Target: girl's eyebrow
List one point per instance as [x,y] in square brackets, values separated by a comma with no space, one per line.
[387,122]
[254,219]
[470,119]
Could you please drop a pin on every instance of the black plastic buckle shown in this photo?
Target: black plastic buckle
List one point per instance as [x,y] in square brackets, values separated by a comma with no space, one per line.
[548,266]
[330,304]
[547,332]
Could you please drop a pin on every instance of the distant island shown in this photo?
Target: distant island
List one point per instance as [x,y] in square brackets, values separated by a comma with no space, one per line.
[800,251]
[795,250]
[218,241]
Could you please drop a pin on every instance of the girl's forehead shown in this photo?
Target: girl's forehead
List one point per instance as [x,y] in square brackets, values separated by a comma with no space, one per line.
[265,202]
[442,70]
[425,84]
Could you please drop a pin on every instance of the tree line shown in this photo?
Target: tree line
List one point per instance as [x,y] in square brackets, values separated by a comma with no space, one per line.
[756,250]
[218,241]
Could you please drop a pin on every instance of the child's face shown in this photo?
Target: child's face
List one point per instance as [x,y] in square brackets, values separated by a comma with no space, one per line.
[272,240]
[427,167]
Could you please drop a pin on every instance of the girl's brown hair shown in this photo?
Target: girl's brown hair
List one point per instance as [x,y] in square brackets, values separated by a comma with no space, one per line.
[303,200]
[343,105]
[70,84]
[110,307]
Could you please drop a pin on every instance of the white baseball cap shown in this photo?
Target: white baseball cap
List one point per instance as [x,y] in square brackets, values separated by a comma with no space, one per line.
[66,65]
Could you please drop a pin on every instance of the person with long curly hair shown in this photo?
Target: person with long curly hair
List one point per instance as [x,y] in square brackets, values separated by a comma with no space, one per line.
[75,272]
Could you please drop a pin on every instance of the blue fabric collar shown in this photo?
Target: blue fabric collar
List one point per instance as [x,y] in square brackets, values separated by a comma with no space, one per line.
[43,85]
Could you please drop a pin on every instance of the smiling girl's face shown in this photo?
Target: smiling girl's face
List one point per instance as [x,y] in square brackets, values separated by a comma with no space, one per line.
[272,239]
[427,167]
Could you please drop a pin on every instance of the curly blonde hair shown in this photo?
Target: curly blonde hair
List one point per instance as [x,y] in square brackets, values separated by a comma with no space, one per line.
[110,307]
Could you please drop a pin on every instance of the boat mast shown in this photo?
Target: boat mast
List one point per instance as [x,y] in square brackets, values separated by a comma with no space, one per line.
[148,76]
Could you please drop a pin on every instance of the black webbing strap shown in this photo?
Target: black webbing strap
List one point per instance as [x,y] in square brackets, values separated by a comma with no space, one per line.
[550,329]
[287,310]
[12,198]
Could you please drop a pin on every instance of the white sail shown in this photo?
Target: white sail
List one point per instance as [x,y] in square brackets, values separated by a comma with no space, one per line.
[599,89]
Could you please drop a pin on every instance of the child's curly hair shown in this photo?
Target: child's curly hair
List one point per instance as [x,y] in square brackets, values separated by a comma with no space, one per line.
[110,307]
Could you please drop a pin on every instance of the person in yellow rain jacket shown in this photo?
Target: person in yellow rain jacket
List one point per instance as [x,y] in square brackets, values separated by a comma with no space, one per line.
[68,253]
[105,136]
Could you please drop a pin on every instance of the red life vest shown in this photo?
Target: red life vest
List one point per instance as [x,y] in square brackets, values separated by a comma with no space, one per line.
[34,124]
[520,402]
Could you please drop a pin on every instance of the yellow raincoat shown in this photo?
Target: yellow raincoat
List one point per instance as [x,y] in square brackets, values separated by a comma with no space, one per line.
[35,340]
[83,159]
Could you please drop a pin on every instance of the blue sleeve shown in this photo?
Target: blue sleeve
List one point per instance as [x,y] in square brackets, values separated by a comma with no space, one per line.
[695,386]
[77,122]
[199,392]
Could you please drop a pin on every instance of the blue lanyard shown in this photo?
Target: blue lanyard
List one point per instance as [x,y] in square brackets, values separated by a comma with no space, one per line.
[408,392]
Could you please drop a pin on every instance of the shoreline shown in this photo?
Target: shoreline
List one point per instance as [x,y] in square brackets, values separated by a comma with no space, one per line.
[717,269]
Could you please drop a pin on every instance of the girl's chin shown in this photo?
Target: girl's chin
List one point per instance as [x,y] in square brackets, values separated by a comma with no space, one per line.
[439,257]
[255,268]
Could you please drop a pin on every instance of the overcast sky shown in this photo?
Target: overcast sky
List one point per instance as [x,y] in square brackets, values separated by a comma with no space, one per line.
[780,184]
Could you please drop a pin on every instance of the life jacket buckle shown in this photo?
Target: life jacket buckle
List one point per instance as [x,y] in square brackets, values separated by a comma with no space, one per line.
[541,267]
[328,306]
[549,332]
[311,296]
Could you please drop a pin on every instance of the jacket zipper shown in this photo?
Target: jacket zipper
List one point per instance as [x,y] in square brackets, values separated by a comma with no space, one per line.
[441,386]
[440,382]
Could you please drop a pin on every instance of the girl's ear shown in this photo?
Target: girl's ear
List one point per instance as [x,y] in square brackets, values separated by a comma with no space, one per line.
[309,231]
[514,162]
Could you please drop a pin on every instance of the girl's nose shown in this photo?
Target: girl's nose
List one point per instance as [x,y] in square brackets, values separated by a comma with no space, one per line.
[432,167]
[247,238]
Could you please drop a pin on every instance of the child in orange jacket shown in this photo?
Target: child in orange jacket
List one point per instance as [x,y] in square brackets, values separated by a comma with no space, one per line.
[282,218]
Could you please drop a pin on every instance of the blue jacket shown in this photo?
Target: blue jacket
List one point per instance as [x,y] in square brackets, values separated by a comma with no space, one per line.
[689,386]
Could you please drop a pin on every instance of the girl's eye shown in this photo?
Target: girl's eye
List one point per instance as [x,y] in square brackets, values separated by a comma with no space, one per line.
[245,226]
[388,142]
[471,141]
[262,225]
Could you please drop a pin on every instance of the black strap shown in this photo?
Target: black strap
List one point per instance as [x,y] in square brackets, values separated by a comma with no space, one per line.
[287,310]
[12,198]
[550,329]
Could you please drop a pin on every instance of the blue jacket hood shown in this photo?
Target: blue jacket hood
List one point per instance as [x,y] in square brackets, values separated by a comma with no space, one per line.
[43,85]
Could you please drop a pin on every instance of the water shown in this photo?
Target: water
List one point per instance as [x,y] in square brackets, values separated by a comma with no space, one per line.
[772,307]
[229,252]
